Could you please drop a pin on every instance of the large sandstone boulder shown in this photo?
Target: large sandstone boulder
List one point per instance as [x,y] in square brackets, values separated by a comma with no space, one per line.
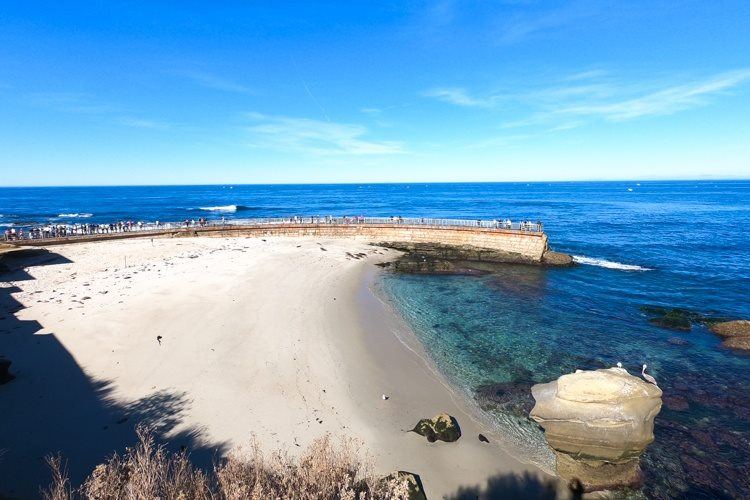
[736,334]
[598,423]
[441,427]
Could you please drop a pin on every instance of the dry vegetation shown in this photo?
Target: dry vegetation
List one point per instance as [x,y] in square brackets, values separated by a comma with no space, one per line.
[148,470]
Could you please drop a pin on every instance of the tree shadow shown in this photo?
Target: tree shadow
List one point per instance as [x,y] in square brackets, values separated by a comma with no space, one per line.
[524,486]
[53,406]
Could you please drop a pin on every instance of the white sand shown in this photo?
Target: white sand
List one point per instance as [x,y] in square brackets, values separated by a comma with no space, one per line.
[278,338]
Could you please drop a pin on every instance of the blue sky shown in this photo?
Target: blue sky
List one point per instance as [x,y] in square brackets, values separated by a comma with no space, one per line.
[263,92]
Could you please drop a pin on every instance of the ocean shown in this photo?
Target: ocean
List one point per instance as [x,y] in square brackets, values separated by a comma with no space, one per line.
[674,244]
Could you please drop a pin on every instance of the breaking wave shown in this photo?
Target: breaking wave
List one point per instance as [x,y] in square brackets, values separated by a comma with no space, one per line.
[226,208]
[590,261]
[75,216]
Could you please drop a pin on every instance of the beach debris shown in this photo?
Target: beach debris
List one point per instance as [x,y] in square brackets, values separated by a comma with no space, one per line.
[323,249]
[598,423]
[158,339]
[483,438]
[442,427]
[385,397]
[5,375]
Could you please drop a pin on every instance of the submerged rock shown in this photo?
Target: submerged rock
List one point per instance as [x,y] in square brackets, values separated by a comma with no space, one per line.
[5,375]
[513,397]
[675,318]
[598,423]
[736,334]
[441,427]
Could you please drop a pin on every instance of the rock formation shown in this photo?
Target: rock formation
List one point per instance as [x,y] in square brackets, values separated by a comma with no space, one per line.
[442,427]
[413,482]
[736,334]
[598,423]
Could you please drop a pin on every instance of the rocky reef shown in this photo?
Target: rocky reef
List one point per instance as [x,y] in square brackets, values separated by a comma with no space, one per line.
[736,334]
[598,423]
[439,258]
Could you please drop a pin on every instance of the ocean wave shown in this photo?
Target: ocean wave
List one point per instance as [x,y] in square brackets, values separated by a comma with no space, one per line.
[590,261]
[74,216]
[227,208]
[221,208]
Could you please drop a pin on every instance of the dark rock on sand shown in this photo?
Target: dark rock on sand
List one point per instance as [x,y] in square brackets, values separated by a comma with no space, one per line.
[5,375]
[416,490]
[736,334]
[441,427]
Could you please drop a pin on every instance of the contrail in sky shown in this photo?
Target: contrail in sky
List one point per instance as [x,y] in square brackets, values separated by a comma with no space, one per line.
[307,89]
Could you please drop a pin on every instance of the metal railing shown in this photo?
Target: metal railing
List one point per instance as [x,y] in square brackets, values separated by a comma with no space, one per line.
[64,231]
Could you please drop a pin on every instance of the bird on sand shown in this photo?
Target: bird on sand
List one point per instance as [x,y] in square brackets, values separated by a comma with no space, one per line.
[648,377]
[158,339]
[619,364]
[384,397]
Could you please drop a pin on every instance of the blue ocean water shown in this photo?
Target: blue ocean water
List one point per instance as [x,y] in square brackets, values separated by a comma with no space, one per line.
[676,244]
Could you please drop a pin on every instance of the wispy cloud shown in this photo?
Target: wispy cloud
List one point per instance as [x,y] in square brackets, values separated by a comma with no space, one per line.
[215,82]
[595,94]
[130,121]
[531,23]
[460,97]
[315,136]
[665,101]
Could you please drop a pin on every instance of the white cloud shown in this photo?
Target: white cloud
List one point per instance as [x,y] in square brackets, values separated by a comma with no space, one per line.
[593,95]
[664,101]
[315,136]
[460,97]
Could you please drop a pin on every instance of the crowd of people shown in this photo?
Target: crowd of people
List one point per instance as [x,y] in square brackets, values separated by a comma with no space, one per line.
[67,230]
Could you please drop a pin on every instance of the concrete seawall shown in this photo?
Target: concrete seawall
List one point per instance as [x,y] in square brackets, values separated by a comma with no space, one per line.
[525,246]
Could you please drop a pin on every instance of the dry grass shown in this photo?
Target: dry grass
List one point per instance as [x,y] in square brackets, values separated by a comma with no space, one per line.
[148,471]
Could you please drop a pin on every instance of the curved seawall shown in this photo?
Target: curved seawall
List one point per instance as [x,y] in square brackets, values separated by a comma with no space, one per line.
[516,245]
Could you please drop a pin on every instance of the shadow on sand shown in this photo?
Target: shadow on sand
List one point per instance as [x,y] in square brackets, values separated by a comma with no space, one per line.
[517,486]
[53,406]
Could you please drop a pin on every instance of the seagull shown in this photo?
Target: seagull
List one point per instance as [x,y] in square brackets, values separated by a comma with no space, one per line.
[384,397]
[619,365]
[648,377]
[158,339]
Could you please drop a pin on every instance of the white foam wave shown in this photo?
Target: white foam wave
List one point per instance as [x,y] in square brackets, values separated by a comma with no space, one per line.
[590,261]
[222,208]
[75,216]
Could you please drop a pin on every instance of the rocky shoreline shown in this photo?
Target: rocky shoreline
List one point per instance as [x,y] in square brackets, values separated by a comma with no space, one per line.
[438,258]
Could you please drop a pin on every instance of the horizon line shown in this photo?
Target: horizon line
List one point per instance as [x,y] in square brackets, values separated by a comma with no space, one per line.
[651,180]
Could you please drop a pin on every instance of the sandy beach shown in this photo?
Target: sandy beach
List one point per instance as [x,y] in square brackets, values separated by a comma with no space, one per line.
[214,340]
